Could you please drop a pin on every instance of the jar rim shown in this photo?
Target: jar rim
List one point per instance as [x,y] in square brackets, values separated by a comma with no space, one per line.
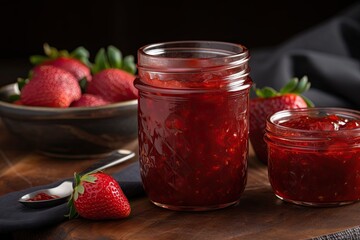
[179,56]
[318,111]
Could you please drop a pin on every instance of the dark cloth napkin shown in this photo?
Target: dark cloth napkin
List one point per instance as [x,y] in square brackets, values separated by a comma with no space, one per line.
[14,216]
[328,53]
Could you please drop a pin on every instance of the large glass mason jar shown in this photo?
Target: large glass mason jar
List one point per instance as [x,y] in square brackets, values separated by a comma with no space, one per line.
[193,123]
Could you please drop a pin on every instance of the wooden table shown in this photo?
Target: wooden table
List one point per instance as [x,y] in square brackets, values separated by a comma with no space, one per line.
[259,215]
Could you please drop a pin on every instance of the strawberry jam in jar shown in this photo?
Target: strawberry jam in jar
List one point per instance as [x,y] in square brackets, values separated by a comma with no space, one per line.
[193,123]
[314,156]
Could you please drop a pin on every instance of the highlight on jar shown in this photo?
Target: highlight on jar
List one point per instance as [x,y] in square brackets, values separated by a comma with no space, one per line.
[314,156]
[193,123]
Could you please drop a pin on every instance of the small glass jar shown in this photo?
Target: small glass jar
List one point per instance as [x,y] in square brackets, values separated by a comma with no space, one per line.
[193,123]
[314,156]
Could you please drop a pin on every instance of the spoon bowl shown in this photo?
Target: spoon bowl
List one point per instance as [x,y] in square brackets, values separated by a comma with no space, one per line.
[61,193]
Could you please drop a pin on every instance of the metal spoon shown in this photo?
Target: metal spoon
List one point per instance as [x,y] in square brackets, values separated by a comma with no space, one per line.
[64,190]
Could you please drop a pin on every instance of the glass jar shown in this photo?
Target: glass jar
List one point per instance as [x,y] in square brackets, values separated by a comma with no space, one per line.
[314,155]
[193,123]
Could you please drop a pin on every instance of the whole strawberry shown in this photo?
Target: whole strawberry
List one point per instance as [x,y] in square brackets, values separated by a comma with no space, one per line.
[113,76]
[50,87]
[98,196]
[269,101]
[89,100]
[76,62]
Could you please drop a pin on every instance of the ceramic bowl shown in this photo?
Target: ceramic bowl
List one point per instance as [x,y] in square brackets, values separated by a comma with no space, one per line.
[78,132]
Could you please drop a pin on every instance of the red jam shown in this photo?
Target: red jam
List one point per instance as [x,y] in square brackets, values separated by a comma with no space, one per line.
[193,138]
[314,159]
[42,197]
[325,123]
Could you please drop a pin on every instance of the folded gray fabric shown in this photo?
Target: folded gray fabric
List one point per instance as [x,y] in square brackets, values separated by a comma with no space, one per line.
[14,216]
[329,54]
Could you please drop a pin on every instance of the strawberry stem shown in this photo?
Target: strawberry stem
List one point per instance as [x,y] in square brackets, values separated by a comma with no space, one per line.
[112,58]
[294,86]
[79,53]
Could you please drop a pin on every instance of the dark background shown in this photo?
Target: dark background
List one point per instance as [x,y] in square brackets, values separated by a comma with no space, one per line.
[132,24]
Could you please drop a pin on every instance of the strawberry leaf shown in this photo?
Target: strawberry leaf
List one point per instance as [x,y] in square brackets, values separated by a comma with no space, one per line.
[266,92]
[89,178]
[309,103]
[115,57]
[302,86]
[290,86]
[80,52]
[129,64]
[13,98]
[37,59]
[77,178]
[80,189]
[76,194]
[294,86]
[83,84]
[63,53]
[21,82]
[72,210]
[112,58]
[101,61]
[51,52]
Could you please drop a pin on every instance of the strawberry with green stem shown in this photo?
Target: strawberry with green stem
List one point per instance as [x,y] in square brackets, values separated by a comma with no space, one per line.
[98,196]
[113,76]
[75,62]
[269,101]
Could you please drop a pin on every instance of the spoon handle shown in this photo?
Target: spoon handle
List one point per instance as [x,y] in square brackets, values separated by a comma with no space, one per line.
[116,157]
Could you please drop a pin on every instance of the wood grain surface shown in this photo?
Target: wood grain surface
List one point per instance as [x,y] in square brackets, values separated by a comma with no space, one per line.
[259,215]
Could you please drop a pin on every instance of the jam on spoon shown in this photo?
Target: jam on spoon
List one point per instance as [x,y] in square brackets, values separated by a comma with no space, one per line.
[42,197]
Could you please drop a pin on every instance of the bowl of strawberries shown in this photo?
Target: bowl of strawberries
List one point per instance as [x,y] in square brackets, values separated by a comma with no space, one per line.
[69,107]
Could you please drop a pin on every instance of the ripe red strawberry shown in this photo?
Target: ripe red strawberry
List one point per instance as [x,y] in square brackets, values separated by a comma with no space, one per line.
[72,65]
[89,100]
[50,87]
[113,76]
[114,85]
[76,62]
[98,196]
[269,101]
